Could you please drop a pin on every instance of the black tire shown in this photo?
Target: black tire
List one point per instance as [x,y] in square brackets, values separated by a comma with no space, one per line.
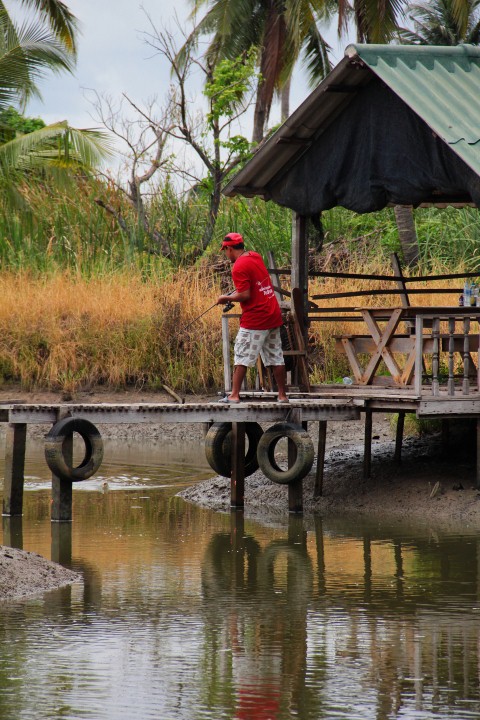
[304,453]
[54,449]
[218,448]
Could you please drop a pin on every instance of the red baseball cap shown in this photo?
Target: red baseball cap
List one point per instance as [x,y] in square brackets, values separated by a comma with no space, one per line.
[232,239]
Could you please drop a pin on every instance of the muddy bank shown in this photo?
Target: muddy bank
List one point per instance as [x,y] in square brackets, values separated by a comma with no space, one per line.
[433,485]
[25,574]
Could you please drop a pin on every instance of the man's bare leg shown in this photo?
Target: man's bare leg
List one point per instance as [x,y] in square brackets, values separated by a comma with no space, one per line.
[239,372]
[280,376]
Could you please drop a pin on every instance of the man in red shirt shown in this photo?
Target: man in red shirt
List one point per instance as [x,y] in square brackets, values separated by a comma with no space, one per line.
[259,332]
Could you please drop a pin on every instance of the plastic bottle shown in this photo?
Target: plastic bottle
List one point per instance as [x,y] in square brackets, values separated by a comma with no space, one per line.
[467,294]
[347,381]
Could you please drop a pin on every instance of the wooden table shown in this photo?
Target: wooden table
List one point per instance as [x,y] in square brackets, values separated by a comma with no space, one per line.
[383,342]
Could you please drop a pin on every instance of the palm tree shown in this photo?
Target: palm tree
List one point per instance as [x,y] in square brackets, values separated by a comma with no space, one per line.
[55,14]
[26,53]
[376,21]
[443,22]
[281,29]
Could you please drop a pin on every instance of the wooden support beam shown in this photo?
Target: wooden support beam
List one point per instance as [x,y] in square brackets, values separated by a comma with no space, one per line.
[61,545]
[297,535]
[237,480]
[299,277]
[62,490]
[13,531]
[322,441]
[367,453]
[14,469]
[399,437]
[227,370]
[478,456]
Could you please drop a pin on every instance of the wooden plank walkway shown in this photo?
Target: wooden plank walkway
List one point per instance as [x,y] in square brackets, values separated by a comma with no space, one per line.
[249,410]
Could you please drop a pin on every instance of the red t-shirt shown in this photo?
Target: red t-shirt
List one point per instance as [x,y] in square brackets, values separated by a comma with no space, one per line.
[261,311]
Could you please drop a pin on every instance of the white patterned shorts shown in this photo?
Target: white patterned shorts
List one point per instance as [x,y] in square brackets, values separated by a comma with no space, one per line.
[249,344]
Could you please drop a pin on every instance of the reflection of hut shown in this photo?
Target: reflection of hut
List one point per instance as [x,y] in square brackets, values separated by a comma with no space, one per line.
[390,125]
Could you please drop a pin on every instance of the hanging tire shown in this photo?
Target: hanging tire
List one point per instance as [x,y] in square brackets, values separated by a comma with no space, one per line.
[218,448]
[304,453]
[55,455]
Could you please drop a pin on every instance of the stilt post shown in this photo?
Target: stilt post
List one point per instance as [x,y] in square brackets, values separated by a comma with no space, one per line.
[62,495]
[399,437]
[14,469]
[367,453]
[322,441]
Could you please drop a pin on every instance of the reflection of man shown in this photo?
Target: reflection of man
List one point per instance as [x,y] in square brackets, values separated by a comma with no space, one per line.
[261,319]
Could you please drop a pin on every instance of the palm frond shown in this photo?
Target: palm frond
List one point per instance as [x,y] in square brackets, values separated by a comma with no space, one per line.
[56,145]
[59,18]
[26,54]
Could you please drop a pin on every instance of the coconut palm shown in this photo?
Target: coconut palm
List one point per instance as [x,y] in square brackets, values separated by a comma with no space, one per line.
[443,22]
[376,21]
[55,147]
[53,13]
[26,54]
[283,30]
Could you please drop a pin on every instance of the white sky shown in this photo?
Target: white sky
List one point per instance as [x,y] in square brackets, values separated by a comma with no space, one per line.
[114,58]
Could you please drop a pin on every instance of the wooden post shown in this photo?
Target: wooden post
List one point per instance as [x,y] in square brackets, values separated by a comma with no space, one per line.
[14,469]
[478,455]
[227,371]
[237,480]
[399,437]
[367,453]
[297,535]
[62,495]
[322,441]
[13,532]
[418,355]
[61,547]
[299,275]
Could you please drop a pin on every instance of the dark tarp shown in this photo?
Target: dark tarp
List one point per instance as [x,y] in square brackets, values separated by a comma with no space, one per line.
[376,152]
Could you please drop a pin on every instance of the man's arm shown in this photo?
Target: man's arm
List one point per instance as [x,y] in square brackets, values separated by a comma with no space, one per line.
[234,297]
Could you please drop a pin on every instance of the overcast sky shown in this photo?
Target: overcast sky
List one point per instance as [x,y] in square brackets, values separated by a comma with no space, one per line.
[113,57]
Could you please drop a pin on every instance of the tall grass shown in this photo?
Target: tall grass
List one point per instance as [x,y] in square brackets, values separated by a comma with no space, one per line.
[69,333]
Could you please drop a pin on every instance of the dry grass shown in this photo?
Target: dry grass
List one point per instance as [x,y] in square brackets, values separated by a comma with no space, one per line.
[68,332]
[65,332]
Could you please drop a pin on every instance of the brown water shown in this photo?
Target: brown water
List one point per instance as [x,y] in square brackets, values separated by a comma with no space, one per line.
[187,614]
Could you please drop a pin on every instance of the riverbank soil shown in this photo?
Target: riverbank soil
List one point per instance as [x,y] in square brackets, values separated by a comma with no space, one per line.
[434,484]
[25,574]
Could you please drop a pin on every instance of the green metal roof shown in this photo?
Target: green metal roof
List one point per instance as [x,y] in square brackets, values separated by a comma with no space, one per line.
[440,84]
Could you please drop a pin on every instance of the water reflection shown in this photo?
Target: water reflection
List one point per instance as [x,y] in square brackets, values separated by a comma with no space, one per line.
[186,613]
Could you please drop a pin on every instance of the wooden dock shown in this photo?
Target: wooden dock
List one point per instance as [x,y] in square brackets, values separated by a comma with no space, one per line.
[329,403]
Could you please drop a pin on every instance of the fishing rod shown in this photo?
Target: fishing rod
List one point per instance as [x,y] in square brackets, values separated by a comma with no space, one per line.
[228,306]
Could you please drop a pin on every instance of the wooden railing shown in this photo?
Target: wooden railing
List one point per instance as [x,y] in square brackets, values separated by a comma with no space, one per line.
[453,350]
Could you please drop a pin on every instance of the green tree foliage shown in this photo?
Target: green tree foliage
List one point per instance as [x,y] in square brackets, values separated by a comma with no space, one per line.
[280,30]
[13,123]
[54,14]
